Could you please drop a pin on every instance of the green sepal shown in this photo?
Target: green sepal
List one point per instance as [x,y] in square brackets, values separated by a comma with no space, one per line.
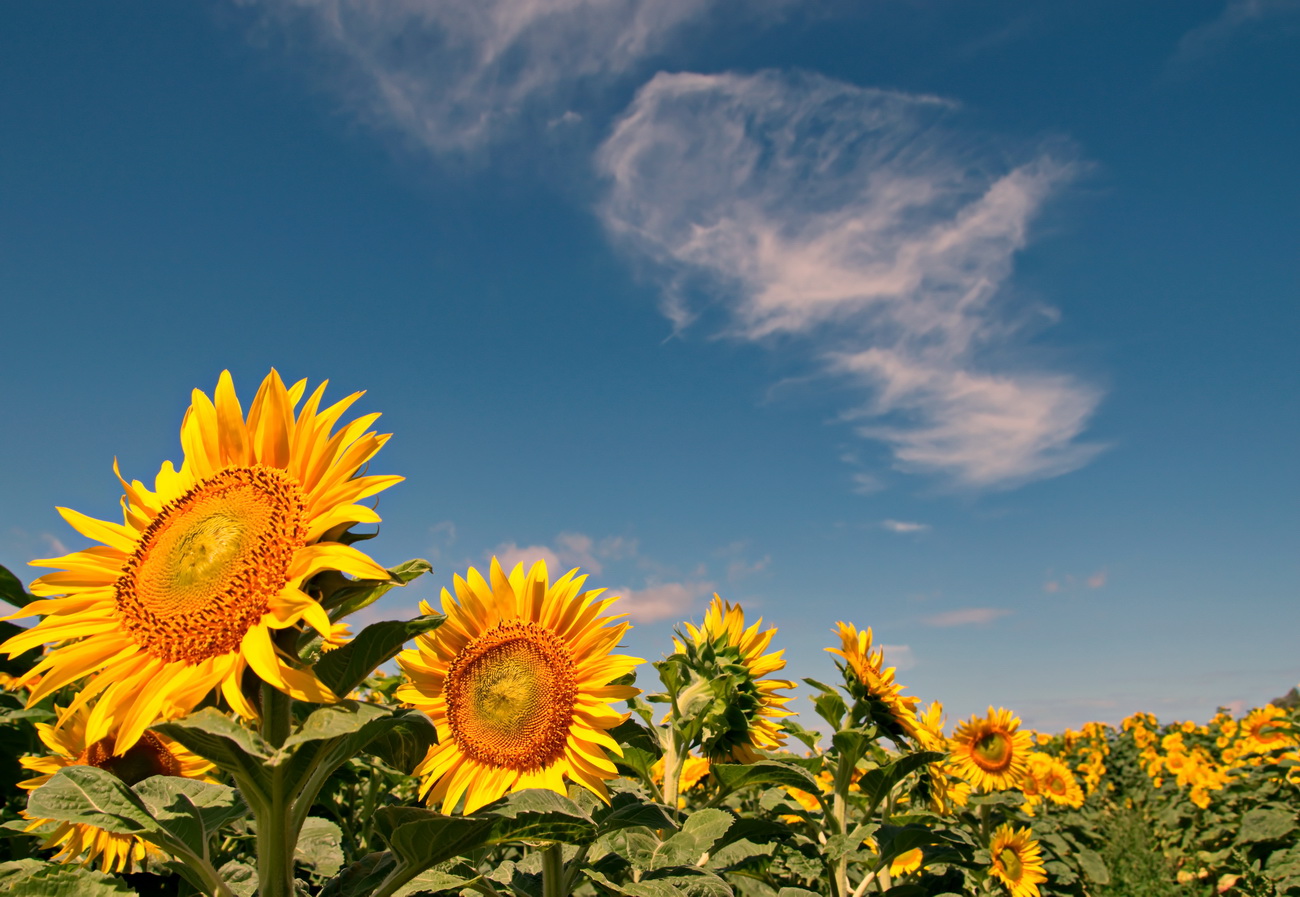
[344,597]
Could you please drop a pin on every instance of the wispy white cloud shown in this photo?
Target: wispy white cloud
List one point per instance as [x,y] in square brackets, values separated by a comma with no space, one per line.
[569,550]
[454,75]
[969,616]
[1097,580]
[1238,17]
[662,601]
[870,227]
[903,526]
[1055,584]
[899,656]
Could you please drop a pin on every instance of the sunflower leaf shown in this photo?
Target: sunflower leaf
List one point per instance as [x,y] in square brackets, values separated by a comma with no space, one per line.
[352,596]
[33,878]
[362,877]
[424,839]
[628,810]
[190,810]
[734,776]
[877,783]
[347,667]
[231,747]
[89,795]
[320,846]
[12,591]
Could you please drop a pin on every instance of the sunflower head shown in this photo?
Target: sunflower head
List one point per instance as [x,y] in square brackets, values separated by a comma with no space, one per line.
[1017,861]
[732,708]
[151,755]
[210,566]
[990,752]
[1054,780]
[877,697]
[518,680]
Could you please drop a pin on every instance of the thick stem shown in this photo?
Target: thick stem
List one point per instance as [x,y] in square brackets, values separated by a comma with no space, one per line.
[275,836]
[553,882]
[839,817]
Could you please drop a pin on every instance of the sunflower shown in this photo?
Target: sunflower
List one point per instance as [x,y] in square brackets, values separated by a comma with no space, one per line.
[1056,782]
[151,755]
[185,594]
[1263,730]
[894,712]
[723,634]
[1017,860]
[517,681]
[991,753]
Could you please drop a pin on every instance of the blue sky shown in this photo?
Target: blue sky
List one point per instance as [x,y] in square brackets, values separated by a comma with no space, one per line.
[975,325]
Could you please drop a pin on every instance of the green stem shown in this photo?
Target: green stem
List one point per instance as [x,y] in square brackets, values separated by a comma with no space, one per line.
[553,882]
[839,818]
[275,836]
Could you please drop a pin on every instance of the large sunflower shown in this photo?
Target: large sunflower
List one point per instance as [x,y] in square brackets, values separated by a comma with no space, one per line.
[1017,860]
[517,682]
[729,642]
[894,712]
[151,755]
[991,753]
[184,595]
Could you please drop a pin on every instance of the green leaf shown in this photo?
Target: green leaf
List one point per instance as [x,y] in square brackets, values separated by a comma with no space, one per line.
[93,796]
[334,721]
[830,707]
[356,594]
[630,733]
[796,892]
[12,591]
[734,776]
[635,761]
[31,878]
[191,811]
[425,838]
[445,877]
[1093,865]
[320,846]
[877,783]
[231,747]
[1266,824]
[697,837]
[240,878]
[362,877]
[406,742]
[347,667]
[629,810]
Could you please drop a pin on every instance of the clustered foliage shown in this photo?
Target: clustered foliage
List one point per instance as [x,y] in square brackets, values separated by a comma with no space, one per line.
[703,785]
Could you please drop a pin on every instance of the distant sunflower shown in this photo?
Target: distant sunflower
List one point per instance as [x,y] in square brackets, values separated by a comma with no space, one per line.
[517,682]
[151,755]
[759,702]
[877,681]
[1058,783]
[990,753]
[184,595]
[907,861]
[1017,860]
[1263,730]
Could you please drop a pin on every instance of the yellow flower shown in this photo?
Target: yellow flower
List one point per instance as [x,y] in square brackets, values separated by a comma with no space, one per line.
[517,682]
[152,754]
[1017,861]
[1057,782]
[760,704]
[991,753]
[185,594]
[1260,732]
[868,668]
[907,861]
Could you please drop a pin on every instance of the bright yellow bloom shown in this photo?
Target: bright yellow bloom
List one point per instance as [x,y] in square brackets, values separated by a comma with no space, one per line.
[151,755]
[991,753]
[1260,732]
[517,681]
[907,861]
[724,629]
[1057,782]
[185,594]
[1017,861]
[869,669]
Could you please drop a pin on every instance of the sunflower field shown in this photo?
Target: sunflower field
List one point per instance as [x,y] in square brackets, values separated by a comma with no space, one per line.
[186,710]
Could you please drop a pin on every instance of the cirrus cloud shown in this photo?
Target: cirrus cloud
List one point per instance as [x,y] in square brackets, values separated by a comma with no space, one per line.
[869,228]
